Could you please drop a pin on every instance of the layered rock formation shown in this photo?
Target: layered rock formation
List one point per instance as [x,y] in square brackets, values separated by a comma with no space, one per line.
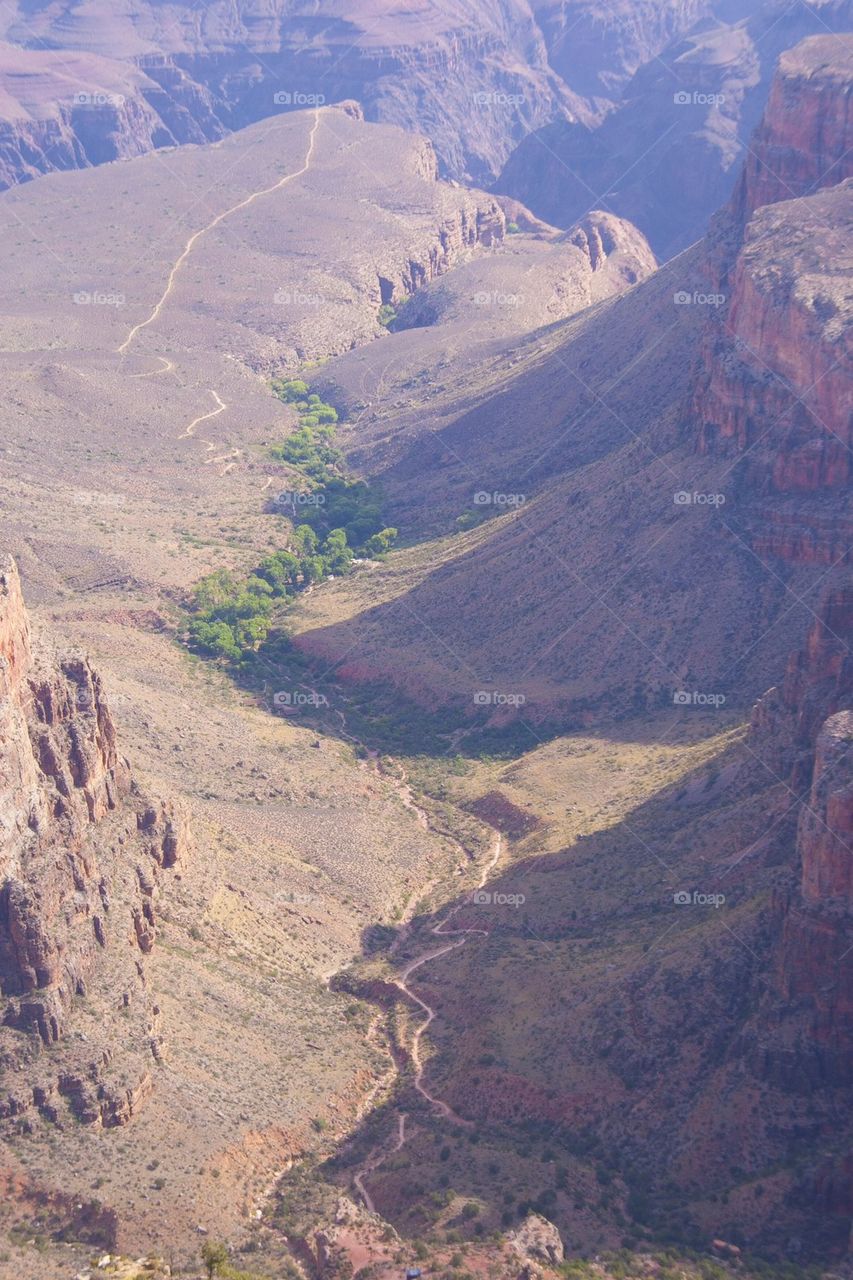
[81,858]
[594,84]
[669,153]
[475,83]
[72,110]
[803,141]
[805,731]
[773,387]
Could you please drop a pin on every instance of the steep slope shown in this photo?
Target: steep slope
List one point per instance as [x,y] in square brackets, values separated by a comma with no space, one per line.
[648,1032]
[619,455]
[82,855]
[670,152]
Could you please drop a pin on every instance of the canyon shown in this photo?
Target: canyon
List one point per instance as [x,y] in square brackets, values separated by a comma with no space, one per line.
[506,888]
[644,111]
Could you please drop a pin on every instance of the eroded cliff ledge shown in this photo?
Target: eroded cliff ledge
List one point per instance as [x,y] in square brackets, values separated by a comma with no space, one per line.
[82,852]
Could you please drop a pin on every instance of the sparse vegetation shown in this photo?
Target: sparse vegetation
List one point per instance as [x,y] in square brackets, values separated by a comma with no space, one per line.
[214,1256]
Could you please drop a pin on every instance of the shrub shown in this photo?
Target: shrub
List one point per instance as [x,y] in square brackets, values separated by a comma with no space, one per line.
[214,1256]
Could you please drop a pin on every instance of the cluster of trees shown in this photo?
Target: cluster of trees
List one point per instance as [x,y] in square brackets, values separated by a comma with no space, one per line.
[311,448]
[232,616]
[339,502]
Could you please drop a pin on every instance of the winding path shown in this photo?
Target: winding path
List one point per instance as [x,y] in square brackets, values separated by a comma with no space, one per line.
[214,413]
[441,930]
[402,983]
[378,1159]
[220,217]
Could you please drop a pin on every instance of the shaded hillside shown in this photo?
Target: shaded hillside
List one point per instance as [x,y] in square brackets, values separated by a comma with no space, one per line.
[647,1034]
[661,563]
[670,152]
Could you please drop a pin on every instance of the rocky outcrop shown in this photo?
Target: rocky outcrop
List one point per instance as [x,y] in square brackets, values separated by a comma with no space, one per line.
[803,141]
[537,1240]
[604,239]
[773,385]
[804,733]
[781,368]
[73,110]
[82,850]
[825,834]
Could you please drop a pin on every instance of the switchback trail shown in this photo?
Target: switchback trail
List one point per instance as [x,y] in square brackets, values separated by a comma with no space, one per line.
[220,217]
[440,930]
[402,983]
[203,417]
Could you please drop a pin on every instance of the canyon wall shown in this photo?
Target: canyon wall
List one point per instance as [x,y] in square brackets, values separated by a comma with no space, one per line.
[82,854]
[804,731]
[773,387]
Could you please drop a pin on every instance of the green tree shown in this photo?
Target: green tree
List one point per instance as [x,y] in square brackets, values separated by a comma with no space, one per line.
[304,540]
[280,570]
[258,586]
[313,569]
[290,390]
[381,542]
[214,1256]
[215,590]
[336,553]
[216,638]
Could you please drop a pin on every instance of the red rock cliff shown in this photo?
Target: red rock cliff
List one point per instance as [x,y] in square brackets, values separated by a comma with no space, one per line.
[773,388]
[803,141]
[809,721]
[80,851]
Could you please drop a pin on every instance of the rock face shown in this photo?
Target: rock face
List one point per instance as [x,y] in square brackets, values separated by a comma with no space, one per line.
[773,387]
[81,853]
[813,725]
[803,141]
[670,152]
[537,1240]
[476,83]
[71,110]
